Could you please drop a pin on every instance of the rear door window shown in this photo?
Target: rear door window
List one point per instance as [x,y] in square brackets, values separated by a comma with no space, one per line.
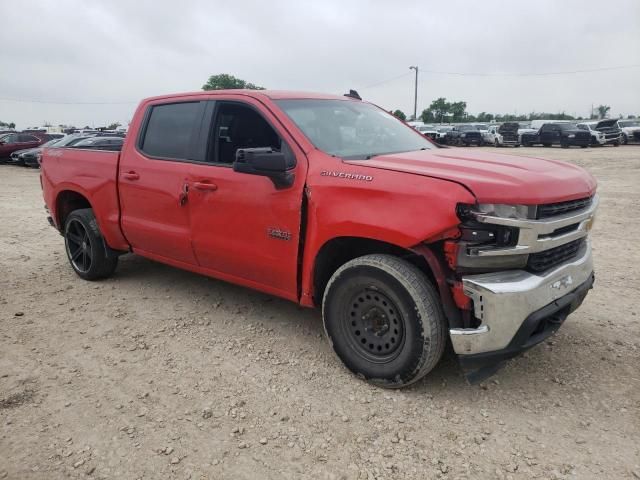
[27,138]
[170,129]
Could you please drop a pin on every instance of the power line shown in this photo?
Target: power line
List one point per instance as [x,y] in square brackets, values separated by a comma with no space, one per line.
[530,74]
[386,81]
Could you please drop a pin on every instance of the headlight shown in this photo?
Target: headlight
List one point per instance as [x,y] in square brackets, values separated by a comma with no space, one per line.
[572,135]
[506,211]
[463,135]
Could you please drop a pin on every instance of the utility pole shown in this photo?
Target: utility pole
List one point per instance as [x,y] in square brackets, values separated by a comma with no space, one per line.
[415,95]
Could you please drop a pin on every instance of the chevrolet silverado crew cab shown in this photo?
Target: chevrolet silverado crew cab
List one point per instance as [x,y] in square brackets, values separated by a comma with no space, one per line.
[332,202]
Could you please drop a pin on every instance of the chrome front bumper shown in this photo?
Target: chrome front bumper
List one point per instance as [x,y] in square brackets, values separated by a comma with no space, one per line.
[504,300]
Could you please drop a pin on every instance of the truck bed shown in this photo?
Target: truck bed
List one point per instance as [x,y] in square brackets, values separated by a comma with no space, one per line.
[92,173]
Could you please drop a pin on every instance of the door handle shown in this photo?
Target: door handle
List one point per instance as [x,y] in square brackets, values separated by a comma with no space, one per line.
[131,175]
[208,186]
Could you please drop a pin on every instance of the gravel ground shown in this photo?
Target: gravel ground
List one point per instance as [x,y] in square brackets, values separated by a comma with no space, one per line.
[160,373]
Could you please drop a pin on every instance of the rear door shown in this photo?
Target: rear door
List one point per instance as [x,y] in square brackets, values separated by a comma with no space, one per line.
[547,134]
[243,228]
[8,144]
[28,141]
[153,179]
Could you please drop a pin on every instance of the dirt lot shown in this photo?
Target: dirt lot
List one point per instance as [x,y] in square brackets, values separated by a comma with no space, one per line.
[159,373]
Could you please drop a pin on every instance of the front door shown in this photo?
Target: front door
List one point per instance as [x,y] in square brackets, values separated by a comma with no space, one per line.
[243,228]
[153,181]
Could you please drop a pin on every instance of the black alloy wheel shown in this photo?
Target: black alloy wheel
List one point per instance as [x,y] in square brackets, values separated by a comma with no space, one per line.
[86,249]
[79,249]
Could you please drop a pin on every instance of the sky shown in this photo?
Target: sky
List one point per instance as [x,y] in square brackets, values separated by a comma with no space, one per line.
[88,62]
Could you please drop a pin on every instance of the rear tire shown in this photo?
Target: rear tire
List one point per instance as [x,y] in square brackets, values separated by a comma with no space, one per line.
[384,320]
[85,247]
[546,144]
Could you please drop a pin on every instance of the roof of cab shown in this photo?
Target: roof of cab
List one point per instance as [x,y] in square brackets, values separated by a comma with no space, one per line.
[271,94]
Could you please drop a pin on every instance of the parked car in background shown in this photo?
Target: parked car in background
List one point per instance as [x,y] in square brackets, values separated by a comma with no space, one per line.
[18,157]
[508,132]
[597,138]
[525,127]
[612,133]
[113,144]
[469,135]
[491,136]
[630,130]
[604,132]
[428,131]
[464,135]
[564,134]
[530,138]
[441,135]
[10,142]
[31,158]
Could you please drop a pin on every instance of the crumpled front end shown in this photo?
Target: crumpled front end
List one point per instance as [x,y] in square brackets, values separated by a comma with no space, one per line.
[523,277]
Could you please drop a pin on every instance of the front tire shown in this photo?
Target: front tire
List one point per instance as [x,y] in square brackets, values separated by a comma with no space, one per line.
[85,247]
[384,320]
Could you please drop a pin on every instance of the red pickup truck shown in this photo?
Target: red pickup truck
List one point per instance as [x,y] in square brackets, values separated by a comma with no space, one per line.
[332,202]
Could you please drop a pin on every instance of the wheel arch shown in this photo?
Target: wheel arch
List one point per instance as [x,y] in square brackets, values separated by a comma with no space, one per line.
[339,250]
[66,202]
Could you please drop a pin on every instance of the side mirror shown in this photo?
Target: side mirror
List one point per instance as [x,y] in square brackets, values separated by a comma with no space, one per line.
[268,163]
[2,142]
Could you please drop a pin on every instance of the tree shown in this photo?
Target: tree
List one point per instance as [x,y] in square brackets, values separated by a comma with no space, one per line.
[427,116]
[224,81]
[400,114]
[12,125]
[113,126]
[484,117]
[440,108]
[458,110]
[603,110]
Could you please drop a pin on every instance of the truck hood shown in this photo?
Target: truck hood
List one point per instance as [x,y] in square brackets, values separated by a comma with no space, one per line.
[509,127]
[493,177]
[610,122]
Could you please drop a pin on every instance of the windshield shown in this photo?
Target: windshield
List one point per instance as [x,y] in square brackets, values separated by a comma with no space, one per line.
[567,126]
[50,143]
[629,123]
[482,127]
[352,130]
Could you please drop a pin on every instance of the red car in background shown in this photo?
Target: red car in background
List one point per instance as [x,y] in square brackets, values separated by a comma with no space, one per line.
[10,142]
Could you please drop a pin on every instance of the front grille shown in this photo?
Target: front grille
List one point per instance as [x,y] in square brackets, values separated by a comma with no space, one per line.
[541,261]
[553,209]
